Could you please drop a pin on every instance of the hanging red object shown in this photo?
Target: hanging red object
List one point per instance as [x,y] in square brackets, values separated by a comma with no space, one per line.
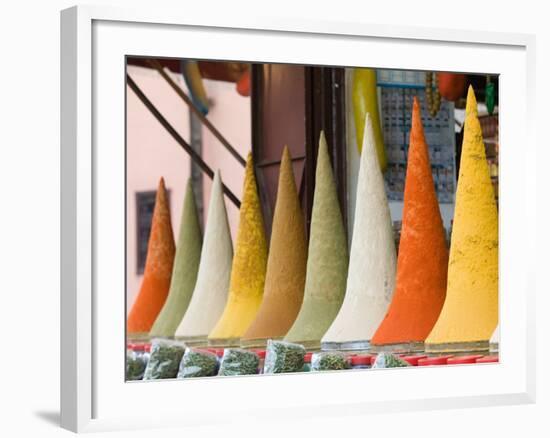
[243,84]
[451,85]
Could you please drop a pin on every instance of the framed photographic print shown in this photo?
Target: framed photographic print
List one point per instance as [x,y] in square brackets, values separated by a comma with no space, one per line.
[257,209]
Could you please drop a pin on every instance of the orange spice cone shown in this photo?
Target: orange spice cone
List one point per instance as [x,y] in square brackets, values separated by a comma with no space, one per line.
[286,265]
[470,312]
[423,256]
[158,269]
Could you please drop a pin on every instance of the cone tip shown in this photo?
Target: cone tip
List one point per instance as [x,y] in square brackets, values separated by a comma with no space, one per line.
[416,105]
[471,102]
[286,154]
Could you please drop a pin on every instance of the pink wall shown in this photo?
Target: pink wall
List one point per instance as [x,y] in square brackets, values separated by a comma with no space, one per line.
[152,153]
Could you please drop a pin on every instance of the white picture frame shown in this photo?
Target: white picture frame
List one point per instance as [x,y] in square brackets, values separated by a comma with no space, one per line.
[94,40]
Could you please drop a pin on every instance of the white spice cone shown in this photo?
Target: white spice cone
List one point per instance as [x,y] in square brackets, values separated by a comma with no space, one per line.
[495,340]
[371,275]
[212,286]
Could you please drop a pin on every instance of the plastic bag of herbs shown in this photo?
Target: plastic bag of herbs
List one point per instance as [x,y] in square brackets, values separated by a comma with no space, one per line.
[197,362]
[238,362]
[389,360]
[164,359]
[136,361]
[329,361]
[283,357]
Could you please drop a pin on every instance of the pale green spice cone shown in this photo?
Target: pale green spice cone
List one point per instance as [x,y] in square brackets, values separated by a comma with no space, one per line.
[327,264]
[184,274]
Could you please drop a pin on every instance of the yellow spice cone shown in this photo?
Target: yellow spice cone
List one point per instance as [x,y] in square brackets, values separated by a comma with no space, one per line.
[249,264]
[286,265]
[470,312]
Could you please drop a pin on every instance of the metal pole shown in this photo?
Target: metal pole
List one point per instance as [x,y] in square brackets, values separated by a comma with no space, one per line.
[194,156]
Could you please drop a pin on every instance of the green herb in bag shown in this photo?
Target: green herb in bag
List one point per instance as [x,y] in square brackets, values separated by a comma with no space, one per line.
[164,360]
[238,362]
[198,363]
[327,361]
[283,357]
[389,360]
[135,365]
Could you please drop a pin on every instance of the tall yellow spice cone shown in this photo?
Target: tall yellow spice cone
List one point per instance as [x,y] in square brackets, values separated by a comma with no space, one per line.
[249,264]
[286,265]
[470,312]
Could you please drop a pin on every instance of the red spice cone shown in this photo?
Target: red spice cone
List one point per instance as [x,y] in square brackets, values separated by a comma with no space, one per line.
[158,268]
[423,255]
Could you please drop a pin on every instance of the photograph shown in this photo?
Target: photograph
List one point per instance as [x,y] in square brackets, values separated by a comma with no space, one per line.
[295,218]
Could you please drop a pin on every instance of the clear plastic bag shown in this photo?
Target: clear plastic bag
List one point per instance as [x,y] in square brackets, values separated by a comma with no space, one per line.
[135,365]
[238,362]
[389,360]
[198,363]
[329,361]
[283,357]
[164,359]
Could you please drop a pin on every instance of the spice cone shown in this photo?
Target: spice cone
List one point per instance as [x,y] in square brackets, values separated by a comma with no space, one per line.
[423,256]
[158,269]
[211,288]
[470,312]
[286,265]
[184,274]
[246,288]
[327,263]
[371,274]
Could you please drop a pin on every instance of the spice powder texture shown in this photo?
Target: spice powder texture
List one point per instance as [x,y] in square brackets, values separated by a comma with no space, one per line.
[286,264]
[470,311]
[423,256]
[158,268]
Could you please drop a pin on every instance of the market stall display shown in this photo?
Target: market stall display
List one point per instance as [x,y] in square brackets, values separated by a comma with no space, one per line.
[184,273]
[286,265]
[210,293]
[371,274]
[470,312]
[158,269]
[423,256]
[247,282]
[327,263]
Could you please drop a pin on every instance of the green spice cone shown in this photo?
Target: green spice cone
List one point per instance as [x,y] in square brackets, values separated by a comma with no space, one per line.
[327,264]
[184,273]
